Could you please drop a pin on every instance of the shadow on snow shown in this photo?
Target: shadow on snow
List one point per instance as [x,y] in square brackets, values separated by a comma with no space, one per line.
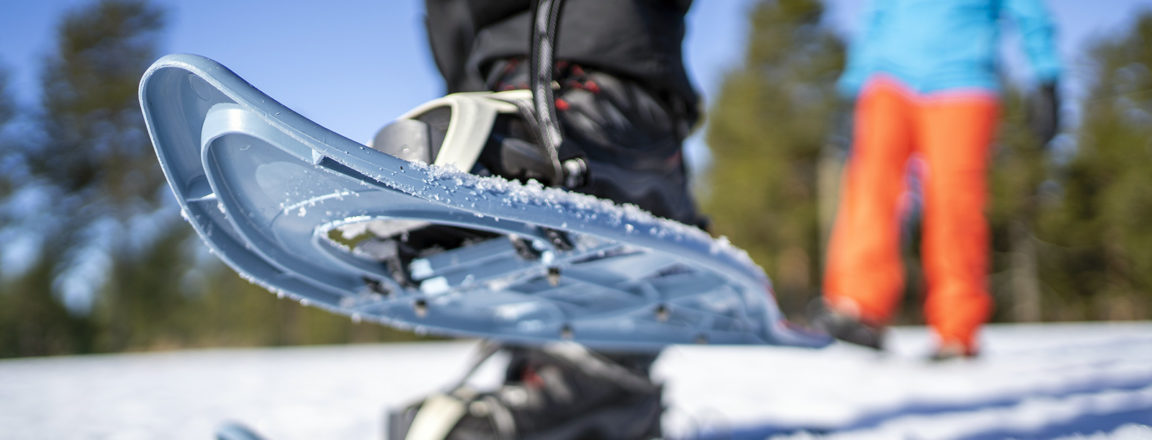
[1092,420]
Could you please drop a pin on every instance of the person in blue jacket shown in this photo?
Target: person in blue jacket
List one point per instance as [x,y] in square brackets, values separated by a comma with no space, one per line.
[925,77]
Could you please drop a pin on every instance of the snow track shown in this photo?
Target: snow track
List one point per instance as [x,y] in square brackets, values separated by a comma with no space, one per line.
[1035,381]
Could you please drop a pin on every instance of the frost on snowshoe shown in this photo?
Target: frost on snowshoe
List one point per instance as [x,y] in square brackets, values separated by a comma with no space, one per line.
[322,219]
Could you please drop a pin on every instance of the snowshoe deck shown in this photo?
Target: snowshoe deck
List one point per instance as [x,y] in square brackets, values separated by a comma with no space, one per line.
[272,194]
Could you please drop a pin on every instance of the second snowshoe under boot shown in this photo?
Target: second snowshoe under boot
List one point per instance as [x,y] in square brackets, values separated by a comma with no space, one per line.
[560,392]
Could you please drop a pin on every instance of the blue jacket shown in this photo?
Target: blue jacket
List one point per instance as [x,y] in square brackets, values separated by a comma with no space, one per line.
[938,45]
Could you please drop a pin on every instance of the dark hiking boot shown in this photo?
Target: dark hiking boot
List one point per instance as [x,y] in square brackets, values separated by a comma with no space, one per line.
[846,327]
[953,351]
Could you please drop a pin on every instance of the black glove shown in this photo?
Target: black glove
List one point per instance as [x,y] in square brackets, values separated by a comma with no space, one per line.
[1044,112]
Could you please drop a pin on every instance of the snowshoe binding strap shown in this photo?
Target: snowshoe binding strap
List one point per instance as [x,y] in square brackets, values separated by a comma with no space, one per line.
[546,18]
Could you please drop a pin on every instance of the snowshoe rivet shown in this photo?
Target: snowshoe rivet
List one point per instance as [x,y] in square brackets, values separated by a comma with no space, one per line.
[566,331]
[575,172]
[421,308]
[554,276]
[662,313]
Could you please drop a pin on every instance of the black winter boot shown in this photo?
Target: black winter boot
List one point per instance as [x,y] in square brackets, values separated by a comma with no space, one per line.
[556,392]
[845,327]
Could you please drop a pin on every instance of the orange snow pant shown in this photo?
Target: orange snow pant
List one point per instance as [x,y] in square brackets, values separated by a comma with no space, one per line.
[952,131]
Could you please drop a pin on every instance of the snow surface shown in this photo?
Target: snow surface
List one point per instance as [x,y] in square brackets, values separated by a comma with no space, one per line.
[1034,381]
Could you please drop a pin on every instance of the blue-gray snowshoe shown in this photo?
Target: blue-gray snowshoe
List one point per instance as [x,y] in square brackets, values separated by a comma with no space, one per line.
[322,219]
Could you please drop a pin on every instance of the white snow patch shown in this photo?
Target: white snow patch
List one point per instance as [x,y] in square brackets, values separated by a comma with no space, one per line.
[1076,381]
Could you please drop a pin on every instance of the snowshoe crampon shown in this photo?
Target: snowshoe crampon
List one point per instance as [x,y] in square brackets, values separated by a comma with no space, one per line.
[312,215]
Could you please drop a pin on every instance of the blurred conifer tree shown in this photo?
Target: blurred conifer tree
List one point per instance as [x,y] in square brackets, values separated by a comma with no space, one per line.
[1098,264]
[104,222]
[769,133]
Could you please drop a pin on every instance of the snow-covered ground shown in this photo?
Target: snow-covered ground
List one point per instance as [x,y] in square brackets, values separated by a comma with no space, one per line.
[1037,381]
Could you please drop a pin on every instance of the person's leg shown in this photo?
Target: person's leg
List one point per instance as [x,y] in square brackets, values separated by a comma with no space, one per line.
[864,276]
[630,138]
[629,135]
[955,137]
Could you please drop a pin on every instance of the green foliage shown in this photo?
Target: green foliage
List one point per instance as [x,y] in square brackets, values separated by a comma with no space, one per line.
[7,107]
[768,131]
[7,112]
[1018,172]
[102,195]
[98,154]
[1100,264]
[92,169]
[33,323]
